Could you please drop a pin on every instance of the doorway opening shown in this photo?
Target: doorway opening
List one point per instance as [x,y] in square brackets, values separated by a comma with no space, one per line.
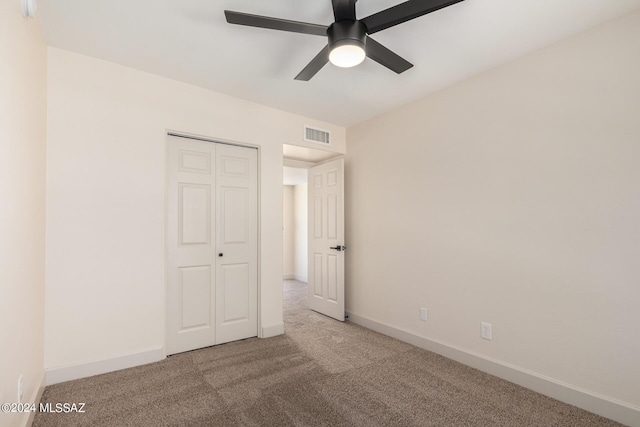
[294,226]
[313,226]
[296,162]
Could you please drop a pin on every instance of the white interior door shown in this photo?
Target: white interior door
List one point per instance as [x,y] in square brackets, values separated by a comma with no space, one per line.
[237,245]
[209,213]
[326,238]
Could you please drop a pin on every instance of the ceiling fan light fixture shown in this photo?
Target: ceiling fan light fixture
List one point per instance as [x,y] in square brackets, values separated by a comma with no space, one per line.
[347,55]
[347,43]
[348,36]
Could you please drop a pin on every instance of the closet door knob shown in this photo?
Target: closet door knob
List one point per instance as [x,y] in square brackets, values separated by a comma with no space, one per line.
[220,254]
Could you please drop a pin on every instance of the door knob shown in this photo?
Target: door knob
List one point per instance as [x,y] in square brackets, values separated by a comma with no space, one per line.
[220,254]
[338,248]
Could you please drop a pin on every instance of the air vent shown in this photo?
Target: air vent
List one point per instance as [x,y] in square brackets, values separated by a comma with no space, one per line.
[318,136]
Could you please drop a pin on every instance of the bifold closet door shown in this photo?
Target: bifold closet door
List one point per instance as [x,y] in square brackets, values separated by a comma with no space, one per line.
[211,244]
[236,243]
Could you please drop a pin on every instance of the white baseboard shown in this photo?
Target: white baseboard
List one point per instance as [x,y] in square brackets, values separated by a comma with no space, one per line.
[605,406]
[272,330]
[288,276]
[74,372]
[35,398]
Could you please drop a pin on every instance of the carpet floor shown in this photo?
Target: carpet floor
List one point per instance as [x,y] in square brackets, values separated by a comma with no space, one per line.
[321,372]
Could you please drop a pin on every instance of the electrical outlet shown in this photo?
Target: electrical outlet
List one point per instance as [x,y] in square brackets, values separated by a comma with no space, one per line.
[485,330]
[20,393]
[423,314]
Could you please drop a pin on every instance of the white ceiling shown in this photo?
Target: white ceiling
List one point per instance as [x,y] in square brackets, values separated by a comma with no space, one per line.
[190,41]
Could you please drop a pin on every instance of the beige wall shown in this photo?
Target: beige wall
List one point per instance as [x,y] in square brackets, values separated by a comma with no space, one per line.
[511,198]
[301,232]
[105,201]
[22,206]
[288,232]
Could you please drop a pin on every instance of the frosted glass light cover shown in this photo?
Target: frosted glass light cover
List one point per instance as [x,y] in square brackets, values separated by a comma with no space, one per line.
[347,55]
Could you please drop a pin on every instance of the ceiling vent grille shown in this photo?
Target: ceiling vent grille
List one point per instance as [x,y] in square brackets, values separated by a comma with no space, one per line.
[318,136]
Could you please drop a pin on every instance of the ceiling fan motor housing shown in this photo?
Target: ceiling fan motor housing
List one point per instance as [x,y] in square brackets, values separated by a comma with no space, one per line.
[347,32]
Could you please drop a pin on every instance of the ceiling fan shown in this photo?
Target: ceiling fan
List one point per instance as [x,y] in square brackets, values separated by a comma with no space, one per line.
[349,38]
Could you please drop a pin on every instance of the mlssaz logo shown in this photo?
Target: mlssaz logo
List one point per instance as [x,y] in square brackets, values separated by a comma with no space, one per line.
[65,408]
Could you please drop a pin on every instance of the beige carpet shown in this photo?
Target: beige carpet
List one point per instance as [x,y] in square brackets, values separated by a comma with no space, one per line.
[320,373]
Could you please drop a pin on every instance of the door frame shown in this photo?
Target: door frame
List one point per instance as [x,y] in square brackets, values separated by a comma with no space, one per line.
[180,134]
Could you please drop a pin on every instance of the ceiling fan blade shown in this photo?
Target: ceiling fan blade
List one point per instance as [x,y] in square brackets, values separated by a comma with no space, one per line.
[344,10]
[403,12]
[274,23]
[315,65]
[384,56]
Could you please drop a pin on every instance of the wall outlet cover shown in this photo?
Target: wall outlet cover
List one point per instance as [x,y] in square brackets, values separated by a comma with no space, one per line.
[485,330]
